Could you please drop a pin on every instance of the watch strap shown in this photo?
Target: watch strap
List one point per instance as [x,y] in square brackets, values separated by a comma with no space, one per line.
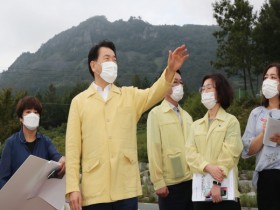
[217,183]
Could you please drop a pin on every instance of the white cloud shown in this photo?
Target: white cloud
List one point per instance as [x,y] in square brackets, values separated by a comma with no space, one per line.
[26,25]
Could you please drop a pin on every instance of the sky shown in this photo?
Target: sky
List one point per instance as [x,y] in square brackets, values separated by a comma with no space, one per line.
[26,25]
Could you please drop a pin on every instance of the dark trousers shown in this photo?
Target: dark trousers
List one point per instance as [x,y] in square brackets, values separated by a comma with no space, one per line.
[179,197]
[126,204]
[268,190]
[224,205]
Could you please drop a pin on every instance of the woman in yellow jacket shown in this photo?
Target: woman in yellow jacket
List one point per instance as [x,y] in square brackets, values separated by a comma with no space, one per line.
[215,142]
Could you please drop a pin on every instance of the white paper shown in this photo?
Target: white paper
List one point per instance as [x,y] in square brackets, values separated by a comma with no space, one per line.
[30,189]
[202,184]
[53,192]
[272,127]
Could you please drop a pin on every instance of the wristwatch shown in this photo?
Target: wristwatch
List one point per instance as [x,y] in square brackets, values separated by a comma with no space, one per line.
[217,183]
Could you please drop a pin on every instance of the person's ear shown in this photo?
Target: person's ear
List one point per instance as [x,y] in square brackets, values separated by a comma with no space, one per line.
[169,91]
[95,67]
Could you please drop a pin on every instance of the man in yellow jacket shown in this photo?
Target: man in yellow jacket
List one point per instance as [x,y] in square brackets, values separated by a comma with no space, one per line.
[101,133]
[168,127]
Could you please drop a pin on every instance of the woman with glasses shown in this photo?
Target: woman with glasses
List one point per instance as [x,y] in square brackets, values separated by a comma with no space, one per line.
[266,178]
[215,145]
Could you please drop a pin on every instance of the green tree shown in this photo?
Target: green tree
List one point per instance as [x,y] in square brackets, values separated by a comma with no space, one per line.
[194,106]
[71,93]
[54,110]
[267,34]
[8,119]
[136,81]
[146,83]
[235,50]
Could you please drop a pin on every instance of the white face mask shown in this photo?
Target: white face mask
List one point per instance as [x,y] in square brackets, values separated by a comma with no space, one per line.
[31,121]
[109,71]
[208,100]
[177,93]
[270,88]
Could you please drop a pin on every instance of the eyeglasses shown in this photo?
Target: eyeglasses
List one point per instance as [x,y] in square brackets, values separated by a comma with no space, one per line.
[206,87]
[177,82]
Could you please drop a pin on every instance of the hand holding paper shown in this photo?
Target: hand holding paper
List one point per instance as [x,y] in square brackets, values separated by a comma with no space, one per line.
[202,185]
[275,138]
[62,167]
[30,189]
[271,134]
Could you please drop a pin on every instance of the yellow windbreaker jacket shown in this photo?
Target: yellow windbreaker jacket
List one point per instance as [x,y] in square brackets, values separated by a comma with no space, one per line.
[166,139]
[219,144]
[101,137]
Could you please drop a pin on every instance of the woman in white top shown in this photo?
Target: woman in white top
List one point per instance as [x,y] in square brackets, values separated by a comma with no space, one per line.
[267,172]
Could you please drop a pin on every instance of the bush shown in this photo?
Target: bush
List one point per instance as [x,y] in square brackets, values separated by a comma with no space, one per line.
[142,144]
[194,106]
[247,164]
[57,135]
[248,201]
[241,110]
[148,194]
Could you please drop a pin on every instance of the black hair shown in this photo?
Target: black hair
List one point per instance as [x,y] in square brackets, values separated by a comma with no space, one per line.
[94,52]
[28,102]
[265,101]
[223,89]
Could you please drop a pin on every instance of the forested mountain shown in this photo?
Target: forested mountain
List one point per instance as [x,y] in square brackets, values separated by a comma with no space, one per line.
[142,50]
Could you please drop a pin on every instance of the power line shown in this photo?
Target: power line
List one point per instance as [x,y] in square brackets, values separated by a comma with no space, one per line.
[48,103]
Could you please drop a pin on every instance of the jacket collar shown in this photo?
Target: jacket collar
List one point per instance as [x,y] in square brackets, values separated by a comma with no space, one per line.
[221,115]
[166,107]
[22,138]
[91,91]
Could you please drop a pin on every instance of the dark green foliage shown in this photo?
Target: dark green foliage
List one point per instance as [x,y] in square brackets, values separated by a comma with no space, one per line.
[241,109]
[247,164]
[9,122]
[136,81]
[246,40]
[57,135]
[236,48]
[72,92]
[267,33]
[248,201]
[142,144]
[55,110]
[194,106]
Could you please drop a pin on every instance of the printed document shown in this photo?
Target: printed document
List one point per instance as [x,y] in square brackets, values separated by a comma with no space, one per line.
[202,184]
[272,127]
